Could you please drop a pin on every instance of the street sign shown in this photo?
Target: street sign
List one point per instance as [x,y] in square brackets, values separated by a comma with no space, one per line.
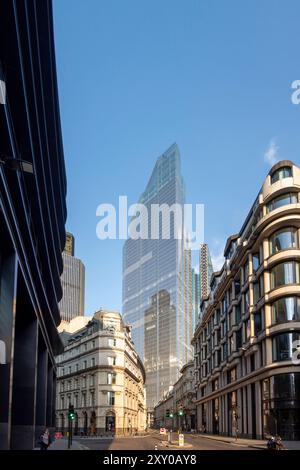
[181,440]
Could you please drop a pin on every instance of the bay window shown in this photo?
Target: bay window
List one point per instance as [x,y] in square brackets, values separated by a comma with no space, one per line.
[283,239]
[286,309]
[285,273]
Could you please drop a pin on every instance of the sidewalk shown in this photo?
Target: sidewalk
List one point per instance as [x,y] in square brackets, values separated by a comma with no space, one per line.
[252,443]
[113,437]
[62,444]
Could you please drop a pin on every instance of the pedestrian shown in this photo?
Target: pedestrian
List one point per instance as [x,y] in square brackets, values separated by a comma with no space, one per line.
[45,440]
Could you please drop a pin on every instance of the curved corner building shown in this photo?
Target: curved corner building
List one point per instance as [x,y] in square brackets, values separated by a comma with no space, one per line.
[247,345]
[32,221]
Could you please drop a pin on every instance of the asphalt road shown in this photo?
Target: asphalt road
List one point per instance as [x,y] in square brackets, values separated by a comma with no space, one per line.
[154,439]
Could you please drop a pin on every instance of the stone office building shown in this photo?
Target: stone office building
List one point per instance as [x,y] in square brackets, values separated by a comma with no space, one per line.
[178,410]
[32,222]
[247,345]
[102,376]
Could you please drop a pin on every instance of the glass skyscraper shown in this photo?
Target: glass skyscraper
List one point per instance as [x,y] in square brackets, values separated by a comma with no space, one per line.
[157,285]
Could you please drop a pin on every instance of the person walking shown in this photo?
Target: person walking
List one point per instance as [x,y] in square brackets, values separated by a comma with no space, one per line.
[45,440]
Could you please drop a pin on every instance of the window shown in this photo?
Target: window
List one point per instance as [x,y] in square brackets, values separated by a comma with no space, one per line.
[256,292]
[92,381]
[286,309]
[93,362]
[111,398]
[282,200]
[112,342]
[255,261]
[257,322]
[92,399]
[76,367]
[83,399]
[237,287]
[285,273]
[252,363]
[111,361]
[283,239]
[283,346]
[70,369]
[62,402]
[238,339]
[111,378]
[85,347]
[93,343]
[231,375]
[246,300]
[238,314]
[62,387]
[225,351]
[84,364]
[225,304]
[215,385]
[281,173]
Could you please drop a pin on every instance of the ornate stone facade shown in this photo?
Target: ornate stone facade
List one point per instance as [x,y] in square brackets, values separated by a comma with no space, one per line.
[102,376]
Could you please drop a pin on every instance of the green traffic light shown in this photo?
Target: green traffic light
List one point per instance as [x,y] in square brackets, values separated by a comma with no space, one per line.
[180,413]
[171,415]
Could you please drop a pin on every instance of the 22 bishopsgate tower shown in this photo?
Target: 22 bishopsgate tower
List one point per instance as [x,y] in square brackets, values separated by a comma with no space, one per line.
[157,284]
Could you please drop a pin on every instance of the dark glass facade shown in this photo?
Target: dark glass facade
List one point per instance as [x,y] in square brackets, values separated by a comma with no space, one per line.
[32,223]
[282,405]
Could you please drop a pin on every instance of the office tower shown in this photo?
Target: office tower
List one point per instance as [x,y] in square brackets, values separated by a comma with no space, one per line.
[196,297]
[70,244]
[32,221]
[247,346]
[73,283]
[157,285]
[205,270]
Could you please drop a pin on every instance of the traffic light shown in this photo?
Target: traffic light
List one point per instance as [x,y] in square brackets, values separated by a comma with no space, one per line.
[167,413]
[71,413]
[180,413]
[171,415]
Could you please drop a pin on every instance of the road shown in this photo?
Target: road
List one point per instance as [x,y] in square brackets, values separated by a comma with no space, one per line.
[154,439]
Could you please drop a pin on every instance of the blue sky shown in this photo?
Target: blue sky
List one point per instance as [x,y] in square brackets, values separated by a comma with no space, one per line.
[135,76]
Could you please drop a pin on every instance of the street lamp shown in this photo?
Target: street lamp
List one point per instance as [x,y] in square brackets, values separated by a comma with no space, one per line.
[16,164]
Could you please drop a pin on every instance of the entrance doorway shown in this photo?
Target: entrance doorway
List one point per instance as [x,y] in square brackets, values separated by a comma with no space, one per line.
[110,423]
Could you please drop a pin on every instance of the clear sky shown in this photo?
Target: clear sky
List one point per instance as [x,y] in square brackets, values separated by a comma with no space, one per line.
[137,75]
